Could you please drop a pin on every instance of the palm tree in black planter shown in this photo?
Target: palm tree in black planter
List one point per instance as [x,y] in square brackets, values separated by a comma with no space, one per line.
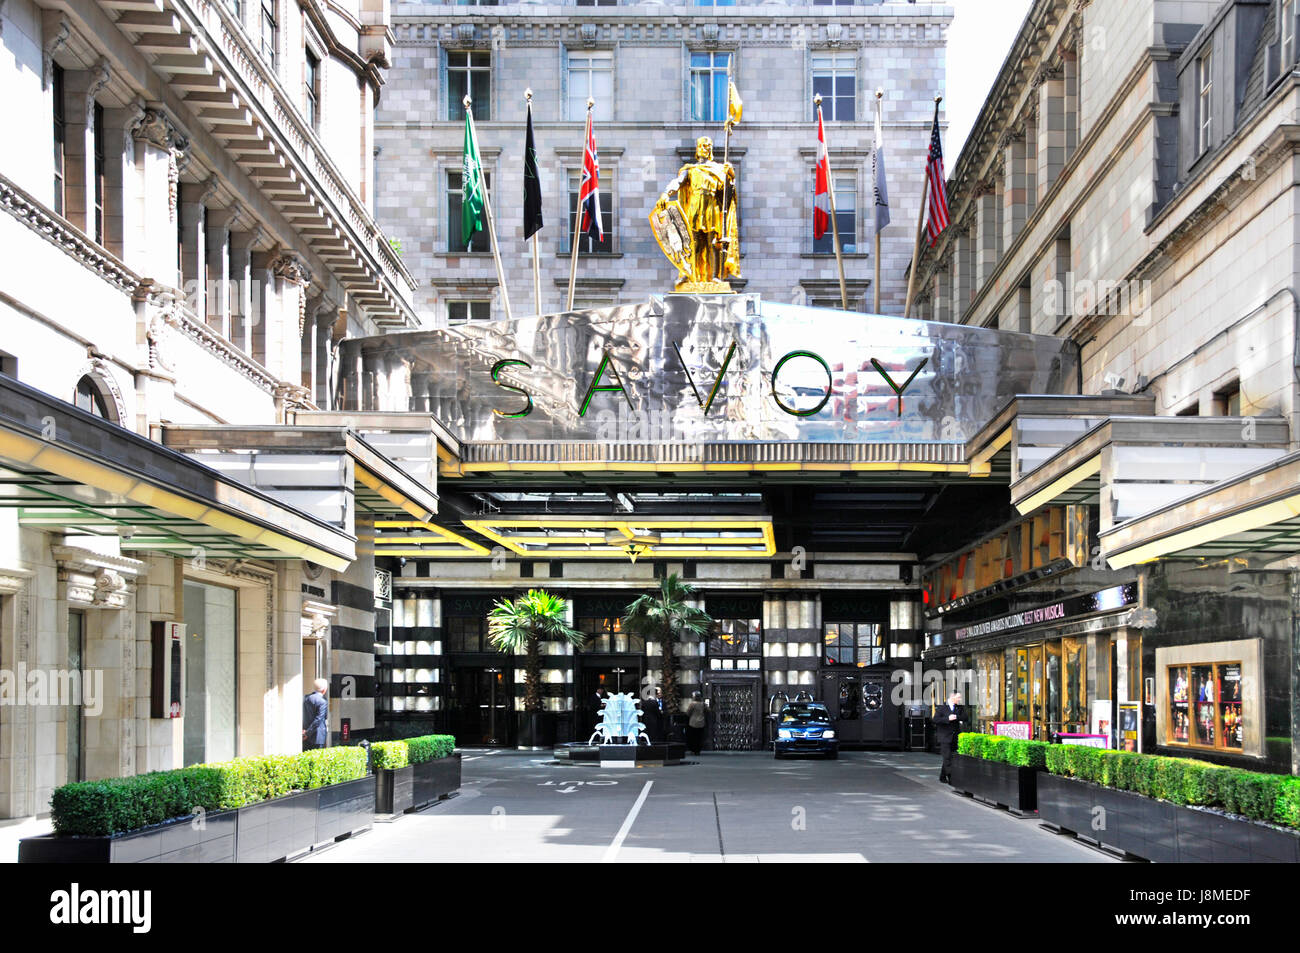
[666,617]
[522,624]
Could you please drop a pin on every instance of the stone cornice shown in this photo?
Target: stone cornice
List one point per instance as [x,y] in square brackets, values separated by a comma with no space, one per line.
[66,237]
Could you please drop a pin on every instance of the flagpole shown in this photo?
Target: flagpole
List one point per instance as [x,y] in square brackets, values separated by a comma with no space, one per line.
[577,212]
[830,189]
[487,212]
[876,307]
[537,263]
[720,273]
[920,219]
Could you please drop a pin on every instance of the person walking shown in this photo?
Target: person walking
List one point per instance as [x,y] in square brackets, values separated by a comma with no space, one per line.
[695,721]
[316,716]
[947,725]
[651,715]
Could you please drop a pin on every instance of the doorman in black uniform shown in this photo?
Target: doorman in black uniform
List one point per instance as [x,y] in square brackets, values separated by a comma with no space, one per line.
[947,725]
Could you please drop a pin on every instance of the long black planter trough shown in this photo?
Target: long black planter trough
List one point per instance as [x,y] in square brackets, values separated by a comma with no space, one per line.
[1004,785]
[258,833]
[398,790]
[1159,831]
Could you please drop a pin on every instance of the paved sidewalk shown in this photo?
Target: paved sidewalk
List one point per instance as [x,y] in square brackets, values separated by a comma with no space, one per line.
[13,831]
[725,808]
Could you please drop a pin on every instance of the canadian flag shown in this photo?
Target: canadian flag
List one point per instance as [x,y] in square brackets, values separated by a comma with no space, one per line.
[822,191]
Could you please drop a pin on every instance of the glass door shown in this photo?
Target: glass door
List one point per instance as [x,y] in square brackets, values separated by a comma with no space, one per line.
[1037,693]
[481,702]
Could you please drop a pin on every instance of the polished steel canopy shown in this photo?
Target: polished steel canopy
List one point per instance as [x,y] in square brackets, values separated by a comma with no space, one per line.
[696,382]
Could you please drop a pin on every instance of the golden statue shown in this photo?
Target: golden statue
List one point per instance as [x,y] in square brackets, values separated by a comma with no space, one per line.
[695,223]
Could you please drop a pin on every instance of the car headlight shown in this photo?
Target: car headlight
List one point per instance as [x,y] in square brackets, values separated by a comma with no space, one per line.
[828,733]
[784,733]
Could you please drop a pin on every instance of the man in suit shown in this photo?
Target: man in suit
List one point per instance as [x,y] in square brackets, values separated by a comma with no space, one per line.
[947,725]
[316,716]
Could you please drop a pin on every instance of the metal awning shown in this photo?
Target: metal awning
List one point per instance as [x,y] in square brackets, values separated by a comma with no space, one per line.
[330,471]
[66,469]
[553,536]
[1256,512]
[1132,465]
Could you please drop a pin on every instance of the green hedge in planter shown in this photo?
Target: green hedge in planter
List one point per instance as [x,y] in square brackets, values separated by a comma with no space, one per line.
[1260,797]
[118,805]
[1013,751]
[398,754]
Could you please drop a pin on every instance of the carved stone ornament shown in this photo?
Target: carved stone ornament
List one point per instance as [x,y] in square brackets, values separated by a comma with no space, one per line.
[294,270]
[102,75]
[709,34]
[57,41]
[465,33]
[590,34]
[834,33]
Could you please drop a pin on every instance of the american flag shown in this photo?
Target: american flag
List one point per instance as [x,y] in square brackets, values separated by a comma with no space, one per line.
[588,195]
[938,186]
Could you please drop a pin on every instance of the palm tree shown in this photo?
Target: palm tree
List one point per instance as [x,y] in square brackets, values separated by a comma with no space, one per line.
[523,624]
[666,617]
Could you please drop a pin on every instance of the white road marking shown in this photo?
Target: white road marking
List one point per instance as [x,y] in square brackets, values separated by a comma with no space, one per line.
[483,755]
[612,850]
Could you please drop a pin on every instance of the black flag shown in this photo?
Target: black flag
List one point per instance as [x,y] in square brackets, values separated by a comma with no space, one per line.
[532,184]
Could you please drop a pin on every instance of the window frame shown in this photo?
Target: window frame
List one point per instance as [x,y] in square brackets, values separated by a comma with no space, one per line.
[312,86]
[453,218]
[1189,703]
[1204,99]
[477,64]
[605,192]
[59,121]
[836,71]
[601,632]
[99,170]
[575,105]
[715,113]
[1287,40]
[468,303]
[848,236]
[270,14]
[832,654]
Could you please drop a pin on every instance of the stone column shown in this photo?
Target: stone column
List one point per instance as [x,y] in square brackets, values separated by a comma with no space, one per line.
[1070,101]
[986,232]
[217,229]
[963,268]
[149,223]
[265,304]
[293,280]
[941,293]
[1051,127]
[243,292]
[80,87]
[1021,317]
[1015,208]
[193,243]
[325,320]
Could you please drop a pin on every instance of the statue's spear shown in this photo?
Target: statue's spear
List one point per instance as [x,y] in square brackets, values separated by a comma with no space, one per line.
[734,107]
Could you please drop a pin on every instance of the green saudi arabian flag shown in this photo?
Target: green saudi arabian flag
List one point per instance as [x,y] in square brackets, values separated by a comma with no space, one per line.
[471,184]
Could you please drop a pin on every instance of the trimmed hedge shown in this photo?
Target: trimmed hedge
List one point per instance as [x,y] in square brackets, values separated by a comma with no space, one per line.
[1260,797]
[119,805]
[392,755]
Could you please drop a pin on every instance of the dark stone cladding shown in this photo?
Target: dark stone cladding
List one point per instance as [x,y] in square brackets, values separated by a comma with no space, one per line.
[347,639]
[346,594]
[363,686]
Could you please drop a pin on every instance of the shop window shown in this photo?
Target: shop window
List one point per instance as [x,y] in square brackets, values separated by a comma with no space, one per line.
[853,643]
[988,686]
[1205,705]
[1074,691]
[605,635]
[211,653]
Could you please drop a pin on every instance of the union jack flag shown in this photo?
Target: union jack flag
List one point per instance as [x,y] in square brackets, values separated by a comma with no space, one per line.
[588,189]
[938,220]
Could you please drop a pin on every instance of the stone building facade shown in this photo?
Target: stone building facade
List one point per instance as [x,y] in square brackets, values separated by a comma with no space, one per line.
[188,224]
[1130,185]
[657,73]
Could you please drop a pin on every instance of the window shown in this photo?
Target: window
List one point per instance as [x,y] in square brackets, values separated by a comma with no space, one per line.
[269,40]
[709,86]
[461,312]
[211,684]
[469,73]
[1286,31]
[60,140]
[312,84]
[1227,401]
[846,217]
[853,643]
[1205,706]
[236,9]
[89,397]
[1204,88]
[591,74]
[589,245]
[835,78]
[736,645]
[606,636]
[468,634]
[100,165]
[455,243]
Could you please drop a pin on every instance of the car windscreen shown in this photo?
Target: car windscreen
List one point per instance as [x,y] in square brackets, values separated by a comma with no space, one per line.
[804,716]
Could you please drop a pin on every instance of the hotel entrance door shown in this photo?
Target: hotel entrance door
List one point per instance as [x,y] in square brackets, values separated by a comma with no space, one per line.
[481,705]
[614,675]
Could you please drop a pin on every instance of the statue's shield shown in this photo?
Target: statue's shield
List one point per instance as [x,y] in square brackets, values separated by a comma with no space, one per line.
[674,238]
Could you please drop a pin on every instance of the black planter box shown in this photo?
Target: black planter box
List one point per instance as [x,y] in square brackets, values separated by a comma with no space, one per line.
[414,786]
[1005,785]
[257,833]
[1158,830]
